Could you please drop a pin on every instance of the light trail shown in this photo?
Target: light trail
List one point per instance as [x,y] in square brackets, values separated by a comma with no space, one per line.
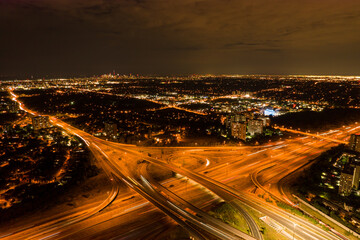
[207,163]
[104,148]
[310,134]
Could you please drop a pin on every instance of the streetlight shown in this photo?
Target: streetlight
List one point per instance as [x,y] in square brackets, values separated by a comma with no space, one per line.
[294,231]
[227,169]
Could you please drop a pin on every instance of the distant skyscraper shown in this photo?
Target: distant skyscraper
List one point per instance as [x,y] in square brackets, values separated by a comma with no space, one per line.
[354,143]
[40,122]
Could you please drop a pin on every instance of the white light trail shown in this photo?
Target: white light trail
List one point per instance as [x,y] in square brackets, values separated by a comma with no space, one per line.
[207,163]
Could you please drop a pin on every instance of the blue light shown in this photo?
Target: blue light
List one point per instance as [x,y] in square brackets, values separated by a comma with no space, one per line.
[269,112]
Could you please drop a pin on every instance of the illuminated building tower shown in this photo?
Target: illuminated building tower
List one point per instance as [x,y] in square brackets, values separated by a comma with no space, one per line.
[266,120]
[349,179]
[40,122]
[110,129]
[238,130]
[356,177]
[246,122]
[345,183]
[255,126]
[354,143]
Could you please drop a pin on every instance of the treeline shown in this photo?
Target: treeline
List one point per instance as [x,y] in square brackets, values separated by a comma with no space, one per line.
[324,120]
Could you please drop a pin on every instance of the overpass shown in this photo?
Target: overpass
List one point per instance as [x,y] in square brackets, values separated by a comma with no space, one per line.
[311,135]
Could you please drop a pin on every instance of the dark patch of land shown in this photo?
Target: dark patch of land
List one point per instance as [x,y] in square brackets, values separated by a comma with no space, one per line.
[318,121]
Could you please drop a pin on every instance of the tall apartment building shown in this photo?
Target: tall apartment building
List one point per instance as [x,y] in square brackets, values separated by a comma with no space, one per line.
[255,126]
[238,130]
[354,143]
[349,180]
[245,122]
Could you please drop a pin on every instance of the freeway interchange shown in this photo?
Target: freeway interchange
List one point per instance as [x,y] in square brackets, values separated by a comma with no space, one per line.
[204,175]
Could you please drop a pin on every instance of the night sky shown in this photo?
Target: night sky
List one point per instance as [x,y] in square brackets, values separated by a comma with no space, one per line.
[86,37]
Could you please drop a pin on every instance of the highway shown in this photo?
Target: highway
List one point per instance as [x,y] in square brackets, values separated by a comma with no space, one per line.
[311,135]
[222,190]
[232,232]
[145,189]
[277,164]
[233,174]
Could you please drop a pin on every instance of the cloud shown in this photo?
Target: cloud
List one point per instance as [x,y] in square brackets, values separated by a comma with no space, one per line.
[231,30]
